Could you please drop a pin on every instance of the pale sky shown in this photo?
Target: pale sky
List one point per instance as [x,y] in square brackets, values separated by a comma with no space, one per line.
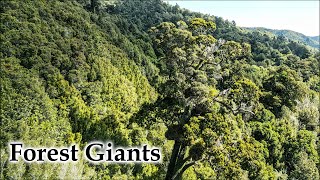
[299,16]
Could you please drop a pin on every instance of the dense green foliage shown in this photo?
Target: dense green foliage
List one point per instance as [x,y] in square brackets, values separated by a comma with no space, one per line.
[221,103]
[312,41]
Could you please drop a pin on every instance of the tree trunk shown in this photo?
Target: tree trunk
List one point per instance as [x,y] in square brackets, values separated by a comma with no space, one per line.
[179,172]
[173,160]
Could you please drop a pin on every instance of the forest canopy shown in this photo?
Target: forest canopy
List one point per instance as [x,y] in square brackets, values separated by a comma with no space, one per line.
[220,101]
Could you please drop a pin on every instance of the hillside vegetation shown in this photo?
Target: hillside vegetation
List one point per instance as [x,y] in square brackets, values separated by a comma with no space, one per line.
[220,102]
[312,41]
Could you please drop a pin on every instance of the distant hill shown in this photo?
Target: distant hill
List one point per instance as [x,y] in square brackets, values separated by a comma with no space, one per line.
[312,41]
[315,38]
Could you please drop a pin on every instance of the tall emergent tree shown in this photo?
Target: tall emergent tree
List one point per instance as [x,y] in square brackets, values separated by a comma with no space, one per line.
[193,62]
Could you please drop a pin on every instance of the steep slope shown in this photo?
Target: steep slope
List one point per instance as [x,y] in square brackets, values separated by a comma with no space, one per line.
[219,101]
[63,81]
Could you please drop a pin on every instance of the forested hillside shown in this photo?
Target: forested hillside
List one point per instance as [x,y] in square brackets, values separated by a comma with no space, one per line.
[312,41]
[316,38]
[220,102]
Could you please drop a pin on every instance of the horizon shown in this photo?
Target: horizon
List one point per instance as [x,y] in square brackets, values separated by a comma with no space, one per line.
[298,16]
